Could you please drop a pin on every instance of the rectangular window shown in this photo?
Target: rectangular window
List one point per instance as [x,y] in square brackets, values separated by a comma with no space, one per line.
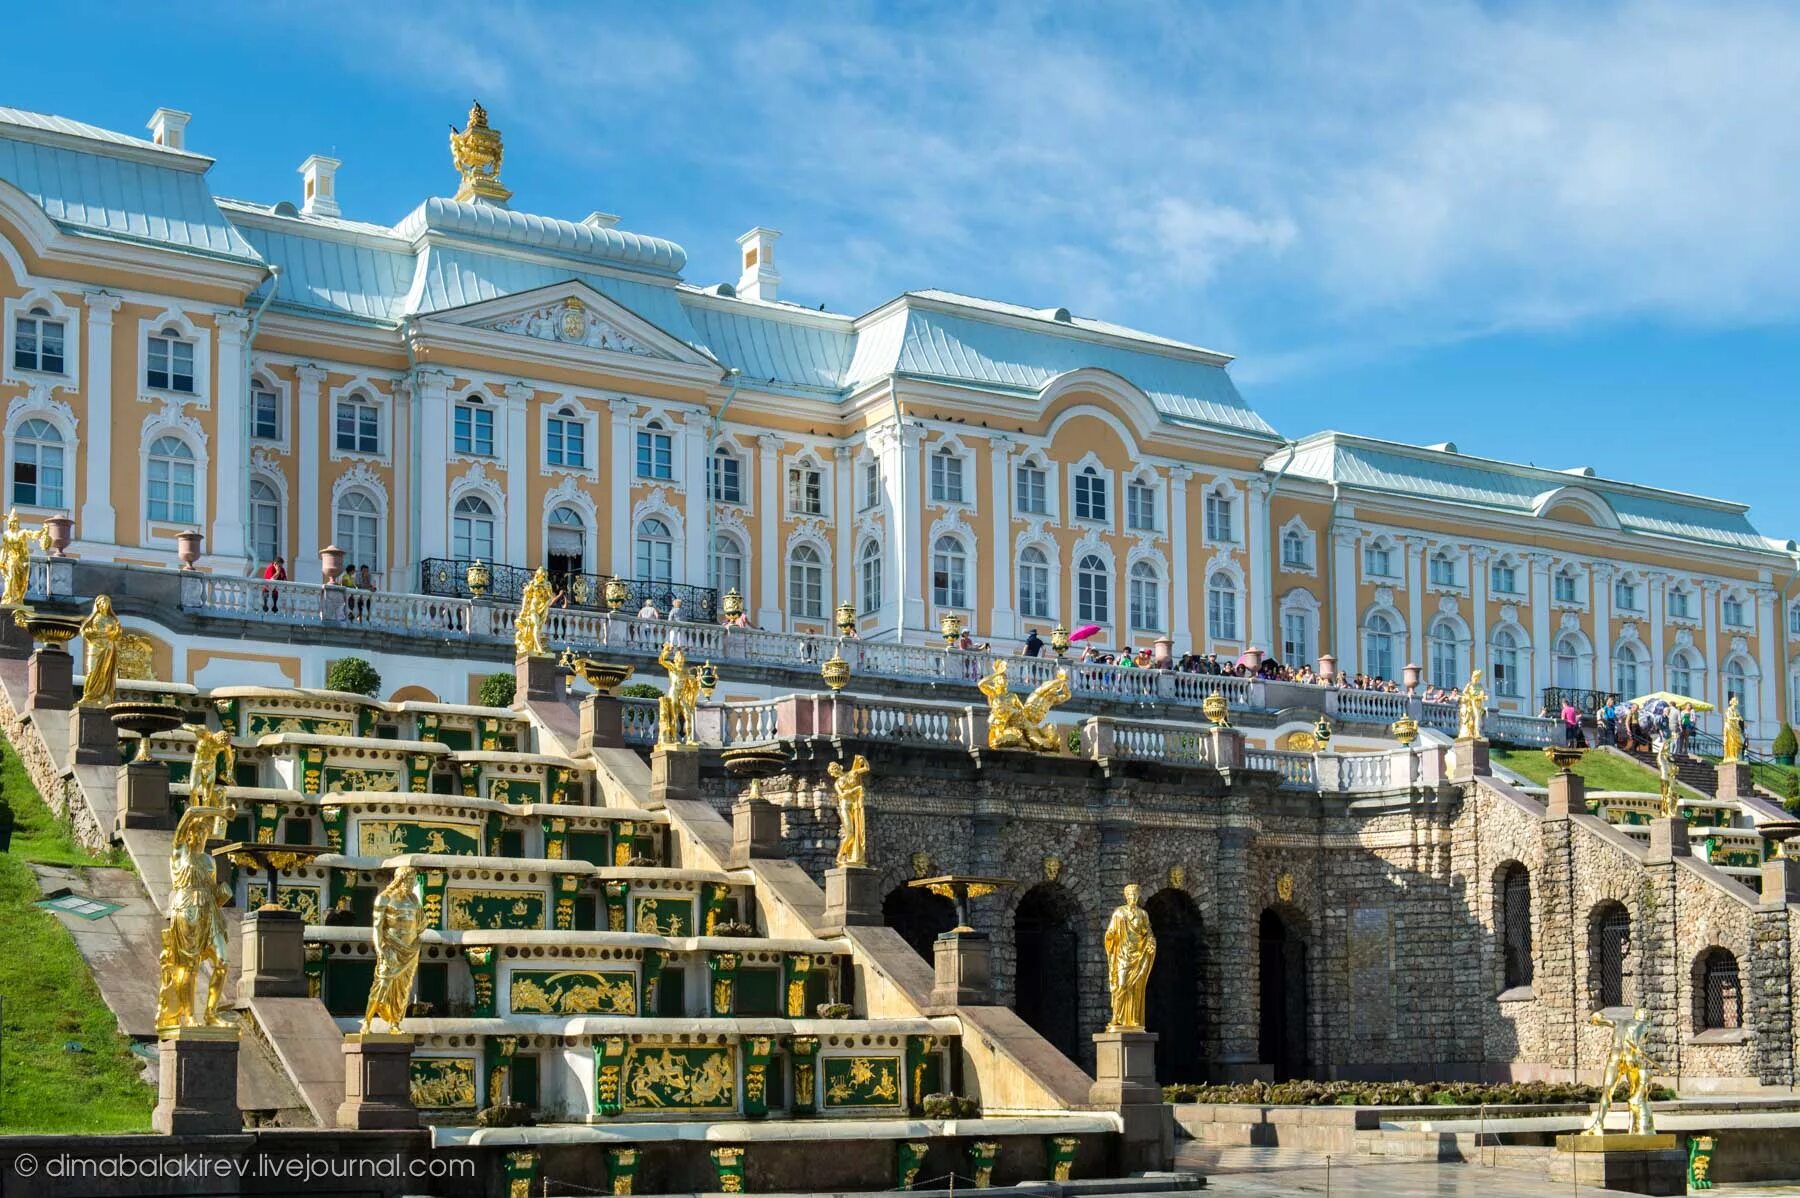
[1140,511]
[1443,572]
[475,429]
[1506,579]
[565,442]
[265,415]
[1295,649]
[946,478]
[1377,562]
[1625,596]
[806,491]
[1090,496]
[1733,613]
[1221,613]
[171,365]
[1146,604]
[871,485]
[1678,605]
[727,483]
[358,427]
[1218,518]
[655,454]
[1033,490]
[1565,588]
[1034,590]
[171,491]
[38,343]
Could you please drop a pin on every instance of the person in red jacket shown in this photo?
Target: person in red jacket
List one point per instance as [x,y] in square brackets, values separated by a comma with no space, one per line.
[275,571]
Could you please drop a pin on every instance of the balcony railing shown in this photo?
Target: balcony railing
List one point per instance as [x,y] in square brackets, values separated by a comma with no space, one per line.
[1586,701]
[449,577]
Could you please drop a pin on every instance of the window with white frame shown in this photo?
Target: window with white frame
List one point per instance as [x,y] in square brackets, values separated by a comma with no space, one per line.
[1294,553]
[1031,482]
[871,480]
[1737,685]
[169,482]
[1221,607]
[474,424]
[727,564]
[1296,637]
[946,477]
[1445,655]
[1566,586]
[1378,646]
[1144,597]
[358,424]
[1378,561]
[1221,521]
[38,342]
[169,362]
[1090,495]
[655,547]
[655,452]
[265,413]
[565,545]
[37,465]
[1794,620]
[1625,670]
[1681,605]
[472,529]
[806,584]
[1034,583]
[359,527]
[1731,611]
[1682,668]
[726,481]
[1093,590]
[1505,578]
[806,490]
[868,595]
[949,572]
[565,439]
[1443,569]
[265,520]
[1140,507]
[1504,659]
[1625,594]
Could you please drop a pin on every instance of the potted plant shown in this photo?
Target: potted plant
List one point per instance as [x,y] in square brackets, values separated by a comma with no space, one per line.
[1785,746]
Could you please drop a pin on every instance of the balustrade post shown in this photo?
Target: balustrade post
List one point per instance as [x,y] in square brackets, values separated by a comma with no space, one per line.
[1097,737]
[1328,769]
[1165,684]
[974,727]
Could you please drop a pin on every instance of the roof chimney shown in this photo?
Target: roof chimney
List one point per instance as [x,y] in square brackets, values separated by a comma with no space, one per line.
[168,127]
[599,220]
[760,278]
[319,197]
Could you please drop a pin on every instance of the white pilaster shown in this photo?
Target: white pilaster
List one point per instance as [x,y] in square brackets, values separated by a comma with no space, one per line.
[1714,690]
[843,478]
[693,454]
[1415,600]
[313,494]
[433,423]
[618,550]
[1768,630]
[518,477]
[232,467]
[1654,583]
[906,487]
[1003,615]
[1541,673]
[1343,599]
[1478,602]
[1179,557]
[768,556]
[1603,638]
[1259,606]
[403,512]
[98,521]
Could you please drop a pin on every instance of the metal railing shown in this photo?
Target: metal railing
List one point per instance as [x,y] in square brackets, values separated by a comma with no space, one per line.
[1586,701]
[449,577]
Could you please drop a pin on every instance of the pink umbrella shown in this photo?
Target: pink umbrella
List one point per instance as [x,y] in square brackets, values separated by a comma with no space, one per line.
[1084,632]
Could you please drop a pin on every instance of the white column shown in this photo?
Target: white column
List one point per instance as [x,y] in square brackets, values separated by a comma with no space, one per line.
[1003,616]
[98,525]
[1260,603]
[1180,554]
[231,467]
[1655,584]
[1415,600]
[1714,691]
[768,557]
[843,477]
[1478,597]
[1768,629]
[518,477]
[1603,638]
[312,494]
[1343,599]
[403,573]
[433,423]
[618,549]
[693,452]
[1541,675]
[904,489]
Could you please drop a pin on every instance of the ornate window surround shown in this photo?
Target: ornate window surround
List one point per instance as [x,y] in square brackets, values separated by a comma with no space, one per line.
[36,380]
[383,402]
[175,318]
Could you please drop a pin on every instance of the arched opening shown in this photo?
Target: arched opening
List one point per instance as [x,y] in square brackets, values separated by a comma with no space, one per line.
[1513,884]
[1718,992]
[1609,952]
[566,547]
[1173,1002]
[919,916]
[1047,979]
[1282,1031]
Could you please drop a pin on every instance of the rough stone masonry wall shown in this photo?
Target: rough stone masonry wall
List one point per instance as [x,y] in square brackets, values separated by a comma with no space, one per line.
[61,792]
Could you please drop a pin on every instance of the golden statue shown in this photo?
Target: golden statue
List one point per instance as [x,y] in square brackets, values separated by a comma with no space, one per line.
[1470,708]
[675,710]
[101,632]
[1130,952]
[399,921]
[1665,772]
[476,153]
[1628,1063]
[15,559]
[853,830]
[214,765]
[534,609]
[1015,723]
[1734,731]
[195,936]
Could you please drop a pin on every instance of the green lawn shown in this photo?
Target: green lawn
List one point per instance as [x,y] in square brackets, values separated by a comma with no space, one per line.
[1775,777]
[1600,771]
[51,1003]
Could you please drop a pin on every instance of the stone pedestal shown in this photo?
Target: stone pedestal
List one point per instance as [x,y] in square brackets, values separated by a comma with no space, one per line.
[196,1092]
[1668,839]
[538,679]
[15,642]
[274,955]
[1736,780]
[1227,748]
[1471,759]
[674,774]
[755,832]
[1781,880]
[93,739]
[1568,795]
[378,1083]
[852,897]
[964,972]
[1637,1164]
[50,681]
[144,796]
[1125,1081]
[602,724]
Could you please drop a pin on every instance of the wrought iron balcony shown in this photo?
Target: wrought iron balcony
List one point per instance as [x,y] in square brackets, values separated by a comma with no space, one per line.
[449,577]
[1587,702]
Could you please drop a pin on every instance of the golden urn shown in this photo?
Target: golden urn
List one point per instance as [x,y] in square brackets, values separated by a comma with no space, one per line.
[478,576]
[950,628]
[616,593]
[1217,710]
[1322,733]
[835,671]
[1059,640]
[732,605]
[709,680]
[1405,730]
[846,618]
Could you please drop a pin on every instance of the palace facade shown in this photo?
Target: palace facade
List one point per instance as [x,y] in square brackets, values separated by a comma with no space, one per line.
[479,382]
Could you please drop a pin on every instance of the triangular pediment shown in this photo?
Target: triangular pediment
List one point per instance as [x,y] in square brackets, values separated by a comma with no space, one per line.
[573,317]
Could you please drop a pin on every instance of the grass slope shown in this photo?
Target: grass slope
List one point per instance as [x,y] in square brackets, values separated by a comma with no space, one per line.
[50,998]
[1600,771]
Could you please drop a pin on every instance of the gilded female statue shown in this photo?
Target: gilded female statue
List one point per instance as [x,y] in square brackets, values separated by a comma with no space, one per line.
[399,921]
[534,608]
[15,559]
[1665,772]
[853,835]
[101,632]
[1470,708]
[1734,731]
[195,936]
[1130,952]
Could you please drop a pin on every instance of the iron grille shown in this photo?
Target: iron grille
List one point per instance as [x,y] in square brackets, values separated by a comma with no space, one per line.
[1515,916]
[450,576]
[1723,996]
[1613,937]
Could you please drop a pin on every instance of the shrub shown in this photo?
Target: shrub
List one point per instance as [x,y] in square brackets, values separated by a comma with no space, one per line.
[1344,1093]
[1790,795]
[497,690]
[640,690]
[1786,743]
[353,674]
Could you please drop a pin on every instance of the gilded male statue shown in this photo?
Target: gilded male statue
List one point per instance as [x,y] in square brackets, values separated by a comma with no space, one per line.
[1015,723]
[534,609]
[15,559]
[1130,952]
[853,835]
[675,710]
[214,765]
[1627,1062]
[399,921]
[195,935]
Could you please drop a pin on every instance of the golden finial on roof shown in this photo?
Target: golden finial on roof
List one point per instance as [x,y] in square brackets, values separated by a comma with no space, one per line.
[476,152]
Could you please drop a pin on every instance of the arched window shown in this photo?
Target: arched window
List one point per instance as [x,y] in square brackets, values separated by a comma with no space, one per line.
[1378,561]
[1514,895]
[806,584]
[1221,517]
[169,491]
[265,520]
[1794,620]
[1221,607]
[1446,655]
[1378,646]
[1503,577]
[1625,671]
[472,529]
[265,411]
[869,578]
[1034,583]
[655,551]
[565,439]
[566,546]
[1032,488]
[1505,662]
[1681,671]
[1625,594]
[1740,684]
[1609,950]
[1093,591]
[1090,495]
[359,528]
[1566,586]
[1140,506]
[946,477]
[474,426]
[1681,604]
[949,572]
[37,465]
[1718,992]
[1145,595]
[1731,612]
[358,423]
[1293,549]
[727,564]
[1569,652]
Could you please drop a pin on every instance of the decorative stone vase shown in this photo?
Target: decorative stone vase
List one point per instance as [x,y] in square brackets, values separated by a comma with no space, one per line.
[61,532]
[1409,675]
[1162,652]
[1327,667]
[1255,657]
[709,680]
[187,547]
[1405,730]
[331,564]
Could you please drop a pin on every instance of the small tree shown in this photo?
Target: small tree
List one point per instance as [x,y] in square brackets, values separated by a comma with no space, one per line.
[497,690]
[1786,745]
[353,674]
[640,690]
[1791,792]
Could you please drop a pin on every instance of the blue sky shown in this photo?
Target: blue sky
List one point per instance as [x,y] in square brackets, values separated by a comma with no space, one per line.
[1565,234]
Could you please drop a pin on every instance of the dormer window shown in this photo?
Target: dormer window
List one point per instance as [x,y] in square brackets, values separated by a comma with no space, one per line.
[946,477]
[170,363]
[1140,510]
[38,342]
[655,452]
[474,422]
[1090,495]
